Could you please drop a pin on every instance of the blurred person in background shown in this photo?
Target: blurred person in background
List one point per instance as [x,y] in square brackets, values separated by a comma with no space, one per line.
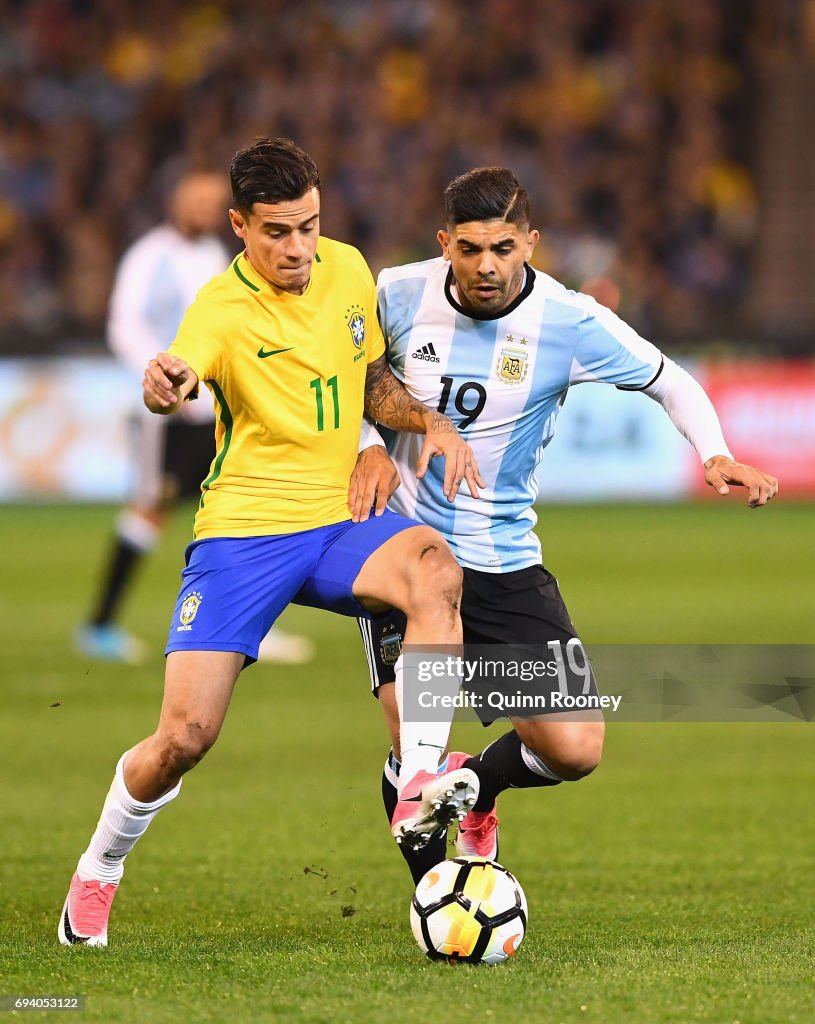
[157,279]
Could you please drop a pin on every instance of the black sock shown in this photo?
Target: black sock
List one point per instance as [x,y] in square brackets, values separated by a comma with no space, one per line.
[122,563]
[501,767]
[419,862]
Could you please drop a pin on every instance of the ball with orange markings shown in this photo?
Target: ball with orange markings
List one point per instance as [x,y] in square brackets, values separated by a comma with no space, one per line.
[468,910]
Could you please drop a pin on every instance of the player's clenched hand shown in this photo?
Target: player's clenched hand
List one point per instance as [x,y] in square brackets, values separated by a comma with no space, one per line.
[167,382]
[442,438]
[721,471]
[373,481]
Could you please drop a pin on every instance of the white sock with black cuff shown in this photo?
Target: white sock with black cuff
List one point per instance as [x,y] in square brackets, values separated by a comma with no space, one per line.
[422,743]
[122,823]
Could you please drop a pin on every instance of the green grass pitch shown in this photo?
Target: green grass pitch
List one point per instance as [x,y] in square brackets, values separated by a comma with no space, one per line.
[673,886]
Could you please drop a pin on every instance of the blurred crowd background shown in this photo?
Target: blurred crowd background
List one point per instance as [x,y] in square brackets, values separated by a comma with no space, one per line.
[635,126]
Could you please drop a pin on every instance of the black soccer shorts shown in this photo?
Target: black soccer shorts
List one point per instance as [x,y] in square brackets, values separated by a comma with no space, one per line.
[521,607]
[171,457]
[188,454]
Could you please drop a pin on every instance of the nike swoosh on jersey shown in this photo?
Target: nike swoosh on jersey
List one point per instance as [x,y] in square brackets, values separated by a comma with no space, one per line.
[262,354]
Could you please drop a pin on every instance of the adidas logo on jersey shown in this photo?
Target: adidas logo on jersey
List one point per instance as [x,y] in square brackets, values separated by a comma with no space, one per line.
[428,353]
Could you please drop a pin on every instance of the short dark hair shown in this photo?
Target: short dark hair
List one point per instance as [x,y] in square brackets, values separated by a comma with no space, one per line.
[271,171]
[486,193]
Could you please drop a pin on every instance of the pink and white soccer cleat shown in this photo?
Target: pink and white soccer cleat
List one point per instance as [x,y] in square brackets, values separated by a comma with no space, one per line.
[429,803]
[478,830]
[478,835]
[85,914]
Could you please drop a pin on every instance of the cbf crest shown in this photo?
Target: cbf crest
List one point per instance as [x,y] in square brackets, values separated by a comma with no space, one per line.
[189,609]
[355,319]
[513,361]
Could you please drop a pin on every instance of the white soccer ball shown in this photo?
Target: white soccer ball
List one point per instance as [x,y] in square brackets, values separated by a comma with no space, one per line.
[469,910]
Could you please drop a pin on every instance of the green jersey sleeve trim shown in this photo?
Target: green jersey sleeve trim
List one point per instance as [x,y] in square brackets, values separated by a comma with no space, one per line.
[225,416]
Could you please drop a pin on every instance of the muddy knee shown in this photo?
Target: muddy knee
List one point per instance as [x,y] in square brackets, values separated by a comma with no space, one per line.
[182,749]
[436,577]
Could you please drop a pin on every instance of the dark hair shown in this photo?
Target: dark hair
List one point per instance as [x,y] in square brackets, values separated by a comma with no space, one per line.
[271,171]
[486,193]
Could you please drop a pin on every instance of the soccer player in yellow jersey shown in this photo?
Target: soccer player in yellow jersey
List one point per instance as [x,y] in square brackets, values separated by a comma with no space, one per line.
[288,342]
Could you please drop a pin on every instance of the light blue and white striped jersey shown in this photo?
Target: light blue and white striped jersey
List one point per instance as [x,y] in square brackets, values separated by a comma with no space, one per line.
[157,279]
[502,381]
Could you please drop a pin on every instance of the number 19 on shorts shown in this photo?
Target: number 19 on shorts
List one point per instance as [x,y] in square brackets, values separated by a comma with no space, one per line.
[317,385]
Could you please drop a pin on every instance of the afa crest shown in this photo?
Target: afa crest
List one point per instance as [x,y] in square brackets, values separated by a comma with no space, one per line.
[356,325]
[513,361]
[189,608]
[390,644]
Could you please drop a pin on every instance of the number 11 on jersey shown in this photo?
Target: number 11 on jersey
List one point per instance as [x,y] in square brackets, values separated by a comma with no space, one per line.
[317,384]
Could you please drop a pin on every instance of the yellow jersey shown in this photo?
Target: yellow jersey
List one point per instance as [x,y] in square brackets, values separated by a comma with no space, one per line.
[287,373]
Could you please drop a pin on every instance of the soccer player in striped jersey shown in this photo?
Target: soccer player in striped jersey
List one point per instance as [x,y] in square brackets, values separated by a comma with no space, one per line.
[481,336]
[288,343]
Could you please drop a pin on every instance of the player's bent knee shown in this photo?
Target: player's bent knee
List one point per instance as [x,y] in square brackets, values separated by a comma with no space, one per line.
[436,572]
[573,752]
[582,754]
[581,764]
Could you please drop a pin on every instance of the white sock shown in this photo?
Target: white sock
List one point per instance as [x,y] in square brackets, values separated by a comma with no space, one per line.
[122,822]
[534,764]
[422,743]
[137,531]
[393,767]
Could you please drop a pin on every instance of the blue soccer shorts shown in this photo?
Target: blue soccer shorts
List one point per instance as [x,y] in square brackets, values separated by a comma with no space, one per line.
[233,588]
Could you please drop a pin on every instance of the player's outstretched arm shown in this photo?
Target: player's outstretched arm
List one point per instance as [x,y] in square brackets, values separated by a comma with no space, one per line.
[693,415]
[721,471]
[388,401]
[167,382]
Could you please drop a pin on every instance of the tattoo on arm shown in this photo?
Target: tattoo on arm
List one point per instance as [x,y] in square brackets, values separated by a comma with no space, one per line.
[388,402]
